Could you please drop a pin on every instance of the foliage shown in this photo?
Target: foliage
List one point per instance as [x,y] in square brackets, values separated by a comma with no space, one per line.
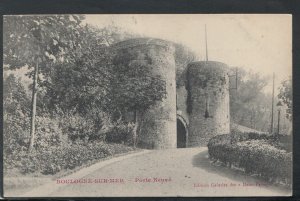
[249,105]
[121,133]
[183,56]
[37,42]
[69,156]
[53,150]
[86,83]
[44,39]
[255,153]
[285,95]
[79,75]
[16,137]
[135,88]
[49,133]
[15,116]
[82,86]
[74,79]
[15,100]
[86,127]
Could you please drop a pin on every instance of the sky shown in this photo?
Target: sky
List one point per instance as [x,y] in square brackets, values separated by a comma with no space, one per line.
[261,43]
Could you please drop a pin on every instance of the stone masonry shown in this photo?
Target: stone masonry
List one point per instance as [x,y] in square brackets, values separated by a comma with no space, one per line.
[202,101]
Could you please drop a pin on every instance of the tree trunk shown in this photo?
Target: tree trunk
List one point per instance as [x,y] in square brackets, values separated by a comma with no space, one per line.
[136,125]
[252,119]
[33,107]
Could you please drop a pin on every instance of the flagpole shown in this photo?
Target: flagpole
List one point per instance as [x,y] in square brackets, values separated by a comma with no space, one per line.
[206,43]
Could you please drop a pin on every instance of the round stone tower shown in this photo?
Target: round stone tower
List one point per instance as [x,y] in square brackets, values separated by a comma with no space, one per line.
[158,123]
[207,101]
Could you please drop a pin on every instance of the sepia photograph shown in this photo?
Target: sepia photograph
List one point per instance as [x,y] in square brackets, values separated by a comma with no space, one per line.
[147,105]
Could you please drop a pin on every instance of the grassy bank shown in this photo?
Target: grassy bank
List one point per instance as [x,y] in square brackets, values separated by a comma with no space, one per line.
[17,182]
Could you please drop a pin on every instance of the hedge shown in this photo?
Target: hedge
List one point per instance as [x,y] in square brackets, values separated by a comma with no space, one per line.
[54,159]
[255,154]
[61,142]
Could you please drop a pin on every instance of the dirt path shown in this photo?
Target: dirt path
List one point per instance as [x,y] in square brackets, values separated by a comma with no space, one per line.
[177,172]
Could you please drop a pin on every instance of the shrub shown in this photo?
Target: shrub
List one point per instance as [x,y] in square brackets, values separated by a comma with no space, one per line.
[16,131]
[53,151]
[90,127]
[15,139]
[77,126]
[48,133]
[29,163]
[69,156]
[254,153]
[121,133]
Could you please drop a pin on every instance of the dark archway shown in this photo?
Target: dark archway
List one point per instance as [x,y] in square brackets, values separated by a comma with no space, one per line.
[181,134]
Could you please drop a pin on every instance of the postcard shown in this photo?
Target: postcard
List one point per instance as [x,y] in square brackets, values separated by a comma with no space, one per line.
[147,105]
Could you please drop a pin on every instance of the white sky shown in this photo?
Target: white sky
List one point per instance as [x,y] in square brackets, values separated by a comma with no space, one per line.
[262,43]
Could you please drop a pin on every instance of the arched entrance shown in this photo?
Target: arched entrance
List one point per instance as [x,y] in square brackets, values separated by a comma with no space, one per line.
[181,133]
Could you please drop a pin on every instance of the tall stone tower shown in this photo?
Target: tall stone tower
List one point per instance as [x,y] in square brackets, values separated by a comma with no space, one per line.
[158,127]
[207,101]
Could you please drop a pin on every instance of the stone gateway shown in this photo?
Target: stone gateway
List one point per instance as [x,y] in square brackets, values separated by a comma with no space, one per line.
[196,105]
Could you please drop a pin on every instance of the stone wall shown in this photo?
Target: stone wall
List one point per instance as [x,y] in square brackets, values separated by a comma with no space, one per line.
[181,95]
[158,124]
[207,101]
[199,94]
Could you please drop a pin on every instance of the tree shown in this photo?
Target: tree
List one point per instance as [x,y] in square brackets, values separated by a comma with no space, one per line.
[14,96]
[103,80]
[135,87]
[183,56]
[37,42]
[286,96]
[249,105]
[82,85]
[16,109]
